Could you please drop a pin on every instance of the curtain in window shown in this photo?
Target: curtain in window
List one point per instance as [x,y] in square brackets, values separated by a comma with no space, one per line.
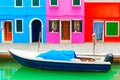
[98,29]
[53,23]
[79,25]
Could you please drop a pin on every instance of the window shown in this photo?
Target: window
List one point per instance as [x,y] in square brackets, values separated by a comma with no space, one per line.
[76,2]
[53,2]
[76,25]
[19,25]
[112,28]
[35,3]
[18,3]
[54,26]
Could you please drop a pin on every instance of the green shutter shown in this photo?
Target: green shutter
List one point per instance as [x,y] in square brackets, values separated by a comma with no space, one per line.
[50,26]
[76,2]
[112,29]
[57,26]
[35,2]
[80,22]
[18,2]
[73,30]
[19,25]
[53,2]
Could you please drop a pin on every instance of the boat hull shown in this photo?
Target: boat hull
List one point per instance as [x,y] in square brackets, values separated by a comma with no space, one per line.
[61,65]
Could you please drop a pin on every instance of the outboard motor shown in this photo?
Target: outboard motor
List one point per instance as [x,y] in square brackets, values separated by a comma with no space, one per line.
[109,58]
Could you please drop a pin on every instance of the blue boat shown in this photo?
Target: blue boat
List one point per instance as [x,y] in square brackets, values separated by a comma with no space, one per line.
[81,63]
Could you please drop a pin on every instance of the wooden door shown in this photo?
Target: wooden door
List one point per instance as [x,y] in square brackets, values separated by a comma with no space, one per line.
[65,31]
[7,31]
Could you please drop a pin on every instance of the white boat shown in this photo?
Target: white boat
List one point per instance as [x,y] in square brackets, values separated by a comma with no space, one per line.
[81,63]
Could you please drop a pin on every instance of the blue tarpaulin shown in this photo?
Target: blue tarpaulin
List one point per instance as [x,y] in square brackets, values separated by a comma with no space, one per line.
[66,55]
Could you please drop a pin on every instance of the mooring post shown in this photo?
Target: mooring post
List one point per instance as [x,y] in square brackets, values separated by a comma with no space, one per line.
[94,42]
[39,41]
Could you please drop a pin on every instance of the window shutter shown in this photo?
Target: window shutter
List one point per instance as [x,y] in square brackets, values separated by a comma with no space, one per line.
[112,29]
[73,30]
[19,25]
[76,2]
[57,26]
[53,2]
[50,26]
[80,22]
[35,2]
[18,2]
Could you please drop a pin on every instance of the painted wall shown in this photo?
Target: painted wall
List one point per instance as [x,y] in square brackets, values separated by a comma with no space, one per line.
[65,11]
[27,13]
[102,12]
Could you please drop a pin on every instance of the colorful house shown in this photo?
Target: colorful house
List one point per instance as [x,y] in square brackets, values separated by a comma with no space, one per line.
[22,21]
[65,21]
[102,18]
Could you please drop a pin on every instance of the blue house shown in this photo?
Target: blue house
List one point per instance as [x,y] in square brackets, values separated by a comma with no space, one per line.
[22,21]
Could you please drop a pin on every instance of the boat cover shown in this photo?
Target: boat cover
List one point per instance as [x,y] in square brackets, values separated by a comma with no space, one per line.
[65,55]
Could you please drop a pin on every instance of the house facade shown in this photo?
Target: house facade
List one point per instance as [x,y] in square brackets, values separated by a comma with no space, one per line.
[22,21]
[65,21]
[103,19]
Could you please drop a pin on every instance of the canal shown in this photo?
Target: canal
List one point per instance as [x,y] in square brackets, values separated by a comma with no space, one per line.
[12,70]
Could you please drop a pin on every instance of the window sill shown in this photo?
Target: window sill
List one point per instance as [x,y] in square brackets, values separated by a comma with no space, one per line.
[54,32]
[77,32]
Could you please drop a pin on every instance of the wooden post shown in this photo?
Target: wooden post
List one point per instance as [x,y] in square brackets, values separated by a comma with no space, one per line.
[39,41]
[94,42]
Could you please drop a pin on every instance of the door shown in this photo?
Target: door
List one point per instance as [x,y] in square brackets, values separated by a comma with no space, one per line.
[98,29]
[7,31]
[36,31]
[65,31]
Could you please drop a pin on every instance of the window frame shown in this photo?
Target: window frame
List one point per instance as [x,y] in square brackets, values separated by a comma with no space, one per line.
[58,27]
[16,26]
[80,31]
[106,29]
[76,5]
[33,5]
[53,5]
[16,5]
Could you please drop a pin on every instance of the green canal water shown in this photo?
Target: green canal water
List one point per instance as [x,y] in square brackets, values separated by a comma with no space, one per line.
[12,70]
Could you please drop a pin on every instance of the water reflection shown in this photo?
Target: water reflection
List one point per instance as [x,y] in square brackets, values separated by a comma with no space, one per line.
[5,74]
[26,73]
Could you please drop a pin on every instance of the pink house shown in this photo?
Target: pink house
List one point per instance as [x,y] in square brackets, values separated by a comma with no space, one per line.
[65,21]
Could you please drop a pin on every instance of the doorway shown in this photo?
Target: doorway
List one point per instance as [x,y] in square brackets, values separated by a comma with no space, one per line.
[7,31]
[65,30]
[36,31]
[98,29]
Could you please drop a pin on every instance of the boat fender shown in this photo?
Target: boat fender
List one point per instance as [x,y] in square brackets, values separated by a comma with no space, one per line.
[109,58]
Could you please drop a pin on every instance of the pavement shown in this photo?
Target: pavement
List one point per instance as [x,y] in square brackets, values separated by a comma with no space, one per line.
[80,49]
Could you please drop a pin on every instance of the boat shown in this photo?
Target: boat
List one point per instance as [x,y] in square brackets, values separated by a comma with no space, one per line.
[81,63]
